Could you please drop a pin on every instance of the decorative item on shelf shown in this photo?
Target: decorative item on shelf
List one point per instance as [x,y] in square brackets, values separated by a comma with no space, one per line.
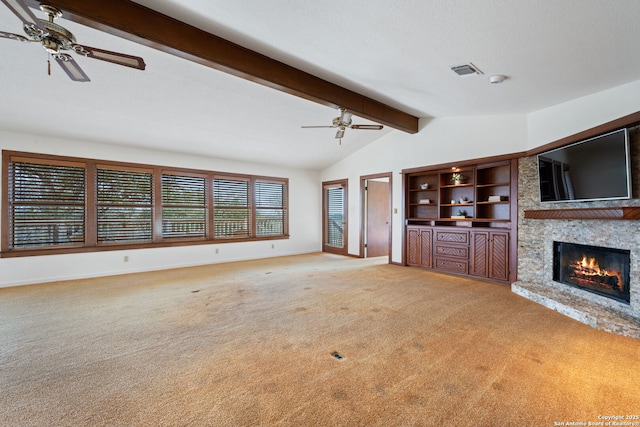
[424,201]
[498,198]
[459,215]
[458,178]
[464,201]
[424,186]
[453,202]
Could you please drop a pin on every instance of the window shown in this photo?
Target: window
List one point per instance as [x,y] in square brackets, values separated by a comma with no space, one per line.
[46,204]
[231,213]
[60,204]
[271,198]
[184,206]
[124,205]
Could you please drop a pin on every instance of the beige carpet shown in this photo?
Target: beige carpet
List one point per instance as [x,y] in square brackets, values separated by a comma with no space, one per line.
[250,343]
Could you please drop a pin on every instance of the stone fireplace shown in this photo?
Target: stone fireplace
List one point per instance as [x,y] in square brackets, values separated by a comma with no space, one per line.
[602,302]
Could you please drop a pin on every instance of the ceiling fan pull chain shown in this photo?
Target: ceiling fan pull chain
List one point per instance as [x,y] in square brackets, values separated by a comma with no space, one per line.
[49,64]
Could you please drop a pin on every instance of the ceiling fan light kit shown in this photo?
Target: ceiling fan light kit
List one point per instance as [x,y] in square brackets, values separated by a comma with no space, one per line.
[343,122]
[54,38]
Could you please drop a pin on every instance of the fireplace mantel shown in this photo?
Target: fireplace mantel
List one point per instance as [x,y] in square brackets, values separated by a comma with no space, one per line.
[619,213]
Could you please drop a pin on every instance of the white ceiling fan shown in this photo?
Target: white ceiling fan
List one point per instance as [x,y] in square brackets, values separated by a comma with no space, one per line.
[55,38]
[343,122]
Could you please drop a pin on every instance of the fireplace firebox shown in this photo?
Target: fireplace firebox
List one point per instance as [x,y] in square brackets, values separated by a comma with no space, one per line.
[604,271]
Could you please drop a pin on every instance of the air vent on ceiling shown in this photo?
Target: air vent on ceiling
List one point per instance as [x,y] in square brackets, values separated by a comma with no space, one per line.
[466,69]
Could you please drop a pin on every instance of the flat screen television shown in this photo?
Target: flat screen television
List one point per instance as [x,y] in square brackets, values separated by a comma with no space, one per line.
[593,169]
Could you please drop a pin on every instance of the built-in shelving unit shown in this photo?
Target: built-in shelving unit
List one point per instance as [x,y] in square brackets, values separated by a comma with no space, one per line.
[465,226]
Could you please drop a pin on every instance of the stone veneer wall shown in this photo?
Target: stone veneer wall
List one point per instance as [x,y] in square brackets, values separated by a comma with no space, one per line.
[535,237]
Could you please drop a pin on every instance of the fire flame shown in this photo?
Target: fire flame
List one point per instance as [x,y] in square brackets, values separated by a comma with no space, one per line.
[588,269]
[591,265]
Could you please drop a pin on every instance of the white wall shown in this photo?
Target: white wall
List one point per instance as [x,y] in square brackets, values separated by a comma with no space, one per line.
[569,118]
[305,218]
[439,141]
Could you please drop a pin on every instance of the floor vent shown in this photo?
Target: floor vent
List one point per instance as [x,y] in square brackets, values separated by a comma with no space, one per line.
[337,355]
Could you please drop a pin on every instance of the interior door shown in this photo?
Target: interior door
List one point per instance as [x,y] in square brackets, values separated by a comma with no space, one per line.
[334,217]
[378,218]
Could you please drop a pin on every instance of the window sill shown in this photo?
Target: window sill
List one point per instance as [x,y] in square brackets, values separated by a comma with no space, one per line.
[14,253]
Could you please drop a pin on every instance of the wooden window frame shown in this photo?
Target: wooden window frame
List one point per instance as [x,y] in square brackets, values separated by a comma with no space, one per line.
[158,240]
[282,208]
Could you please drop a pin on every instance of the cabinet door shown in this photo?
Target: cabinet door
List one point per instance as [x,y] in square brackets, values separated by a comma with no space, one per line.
[419,244]
[426,243]
[413,246]
[479,253]
[490,254]
[499,255]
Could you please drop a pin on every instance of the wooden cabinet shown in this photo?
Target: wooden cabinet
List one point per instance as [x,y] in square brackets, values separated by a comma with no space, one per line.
[490,254]
[419,244]
[463,227]
[452,251]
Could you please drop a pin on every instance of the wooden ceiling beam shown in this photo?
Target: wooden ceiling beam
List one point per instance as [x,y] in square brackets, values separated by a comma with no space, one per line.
[140,24]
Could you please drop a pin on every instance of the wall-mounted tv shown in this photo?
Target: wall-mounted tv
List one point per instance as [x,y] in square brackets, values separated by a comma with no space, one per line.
[594,169]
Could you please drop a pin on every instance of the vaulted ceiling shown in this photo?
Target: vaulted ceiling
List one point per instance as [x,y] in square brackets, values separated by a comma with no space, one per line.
[392,60]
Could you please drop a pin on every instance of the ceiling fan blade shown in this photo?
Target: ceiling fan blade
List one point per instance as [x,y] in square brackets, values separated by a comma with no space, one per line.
[71,67]
[340,134]
[114,57]
[309,127]
[14,37]
[20,9]
[370,127]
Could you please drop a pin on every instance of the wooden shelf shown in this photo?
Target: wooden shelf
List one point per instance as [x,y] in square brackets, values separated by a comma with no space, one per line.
[621,213]
[501,184]
[457,185]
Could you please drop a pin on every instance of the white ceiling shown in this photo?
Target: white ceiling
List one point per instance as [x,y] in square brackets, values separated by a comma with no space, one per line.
[399,53]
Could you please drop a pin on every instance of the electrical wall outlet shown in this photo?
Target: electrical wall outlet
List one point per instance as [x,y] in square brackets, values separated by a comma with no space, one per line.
[126,258]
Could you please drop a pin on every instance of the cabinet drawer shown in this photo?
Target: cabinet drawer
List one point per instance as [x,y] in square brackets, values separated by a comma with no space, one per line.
[460,237]
[452,251]
[454,266]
